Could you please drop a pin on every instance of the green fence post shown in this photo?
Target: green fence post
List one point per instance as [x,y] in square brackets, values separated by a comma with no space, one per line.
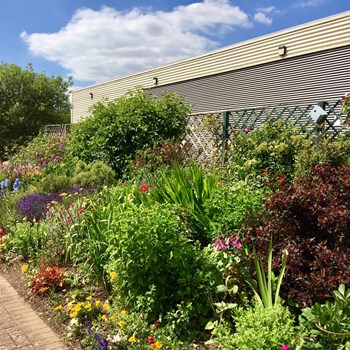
[225,127]
[319,127]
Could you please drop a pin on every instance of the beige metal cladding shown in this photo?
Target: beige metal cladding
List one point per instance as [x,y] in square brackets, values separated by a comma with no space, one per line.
[327,33]
[307,78]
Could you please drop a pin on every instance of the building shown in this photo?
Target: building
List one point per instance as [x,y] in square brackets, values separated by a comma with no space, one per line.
[306,63]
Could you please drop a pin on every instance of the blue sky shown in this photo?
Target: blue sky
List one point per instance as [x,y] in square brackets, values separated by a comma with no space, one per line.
[98,40]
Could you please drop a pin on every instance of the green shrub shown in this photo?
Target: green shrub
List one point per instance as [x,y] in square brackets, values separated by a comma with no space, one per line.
[8,211]
[28,240]
[152,257]
[53,183]
[334,152]
[271,149]
[232,203]
[96,174]
[258,328]
[327,326]
[117,129]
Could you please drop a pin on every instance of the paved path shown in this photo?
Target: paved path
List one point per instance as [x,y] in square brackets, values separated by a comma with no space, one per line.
[20,326]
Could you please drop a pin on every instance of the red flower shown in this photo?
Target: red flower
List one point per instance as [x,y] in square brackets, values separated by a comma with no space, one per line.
[156,324]
[151,340]
[2,232]
[143,187]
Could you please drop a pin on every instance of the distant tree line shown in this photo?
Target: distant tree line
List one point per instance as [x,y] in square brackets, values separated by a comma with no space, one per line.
[29,101]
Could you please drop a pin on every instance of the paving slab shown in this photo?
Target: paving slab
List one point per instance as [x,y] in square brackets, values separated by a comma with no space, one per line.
[15,317]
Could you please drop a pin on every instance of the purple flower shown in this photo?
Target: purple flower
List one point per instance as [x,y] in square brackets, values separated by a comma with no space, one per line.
[34,206]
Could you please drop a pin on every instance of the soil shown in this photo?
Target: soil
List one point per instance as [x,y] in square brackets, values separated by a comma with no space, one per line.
[12,272]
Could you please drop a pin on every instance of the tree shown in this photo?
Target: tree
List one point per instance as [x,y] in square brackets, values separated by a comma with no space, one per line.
[117,129]
[28,101]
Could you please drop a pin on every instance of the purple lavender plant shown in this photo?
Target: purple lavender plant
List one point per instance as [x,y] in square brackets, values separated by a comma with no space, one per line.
[34,206]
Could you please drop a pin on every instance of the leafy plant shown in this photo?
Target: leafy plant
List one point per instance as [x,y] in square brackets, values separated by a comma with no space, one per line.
[117,129]
[266,284]
[96,174]
[193,191]
[311,219]
[150,252]
[27,240]
[52,183]
[325,150]
[258,328]
[271,149]
[47,278]
[327,326]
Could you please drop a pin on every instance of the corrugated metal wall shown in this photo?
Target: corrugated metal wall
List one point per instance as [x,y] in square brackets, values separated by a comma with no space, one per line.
[325,34]
[308,78]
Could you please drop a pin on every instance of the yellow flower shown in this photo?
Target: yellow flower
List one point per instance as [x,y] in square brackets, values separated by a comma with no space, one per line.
[73,314]
[63,194]
[24,268]
[105,307]
[103,317]
[89,297]
[123,312]
[121,324]
[132,339]
[112,318]
[58,307]
[113,275]
[97,303]
[156,345]
[87,306]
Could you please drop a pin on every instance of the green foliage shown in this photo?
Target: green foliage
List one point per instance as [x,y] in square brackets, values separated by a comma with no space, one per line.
[258,328]
[153,257]
[117,129]
[327,326]
[265,293]
[8,211]
[96,174]
[87,242]
[232,203]
[28,240]
[28,101]
[53,183]
[167,154]
[270,149]
[334,152]
[193,190]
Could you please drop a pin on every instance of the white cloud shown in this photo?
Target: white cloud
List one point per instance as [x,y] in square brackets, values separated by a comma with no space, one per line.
[262,18]
[105,44]
[267,9]
[310,3]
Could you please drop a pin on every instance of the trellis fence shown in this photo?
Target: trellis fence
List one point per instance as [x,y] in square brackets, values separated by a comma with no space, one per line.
[209,133]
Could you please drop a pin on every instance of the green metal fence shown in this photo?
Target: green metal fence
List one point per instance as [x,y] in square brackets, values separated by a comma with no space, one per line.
[209,133]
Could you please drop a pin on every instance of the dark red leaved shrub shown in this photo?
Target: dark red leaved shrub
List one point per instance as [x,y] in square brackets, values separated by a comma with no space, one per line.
[311,219]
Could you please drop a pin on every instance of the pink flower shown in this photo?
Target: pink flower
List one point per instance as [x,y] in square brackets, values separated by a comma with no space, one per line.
[284,347]
[151,340]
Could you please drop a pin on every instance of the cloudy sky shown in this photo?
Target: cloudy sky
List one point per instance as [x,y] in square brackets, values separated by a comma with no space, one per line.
[98,40]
